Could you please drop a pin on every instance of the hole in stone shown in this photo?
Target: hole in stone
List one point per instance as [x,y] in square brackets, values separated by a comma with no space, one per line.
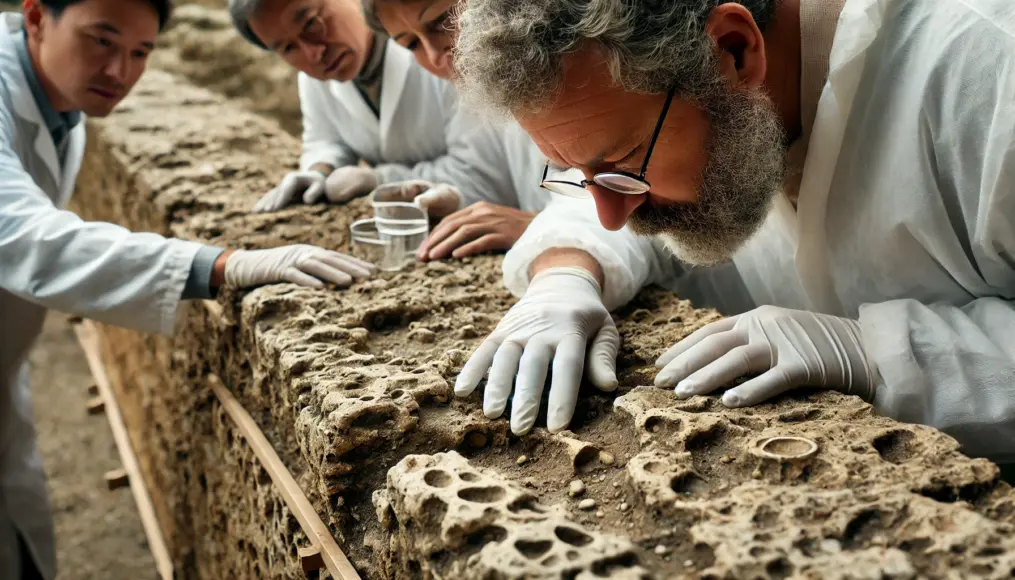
[437,478]
[605,568]
[533,549]
[896,446]
[757,551]
[482,494]
[484,536]
[689,484]
[572,555]
[704,439]
[469,477]
[397,394]
[780,568]
[662,425]
[525,504]
[655,468]
[367,398]
[799,415]
[584,457]
[373,418]
[788,447]
[551,561]
[990,552]
[434,510]
[572,537]
[765,517]
[862,528]
[945,493]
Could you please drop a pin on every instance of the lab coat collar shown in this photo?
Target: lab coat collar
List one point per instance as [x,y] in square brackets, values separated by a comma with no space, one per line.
[21,95]
[55,120]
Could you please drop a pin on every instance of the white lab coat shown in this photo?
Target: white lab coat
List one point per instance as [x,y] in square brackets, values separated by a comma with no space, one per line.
[50,258]
[906,216]
[422,132]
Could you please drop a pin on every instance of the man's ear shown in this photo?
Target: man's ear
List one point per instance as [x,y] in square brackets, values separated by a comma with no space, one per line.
[33,12]
[740,42]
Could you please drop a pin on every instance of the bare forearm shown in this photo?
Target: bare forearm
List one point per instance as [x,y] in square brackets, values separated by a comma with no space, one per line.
[556,257]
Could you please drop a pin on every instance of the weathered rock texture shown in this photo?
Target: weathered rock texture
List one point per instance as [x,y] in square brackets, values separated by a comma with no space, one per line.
[354,389]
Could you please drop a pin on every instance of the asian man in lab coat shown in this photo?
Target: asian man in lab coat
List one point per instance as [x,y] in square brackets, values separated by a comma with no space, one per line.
[364,99]
[855,160]
[61,60]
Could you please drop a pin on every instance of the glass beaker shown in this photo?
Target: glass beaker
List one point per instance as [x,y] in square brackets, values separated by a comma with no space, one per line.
[402,226]
[366,242]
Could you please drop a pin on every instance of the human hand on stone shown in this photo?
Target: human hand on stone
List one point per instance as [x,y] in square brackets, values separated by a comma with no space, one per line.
[438,200]
[348,182]
[305,186]
[561,312]
[300,264]
[481,227]
[790,348]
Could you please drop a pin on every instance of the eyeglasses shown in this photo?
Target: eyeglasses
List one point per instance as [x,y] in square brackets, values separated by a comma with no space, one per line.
[616,181]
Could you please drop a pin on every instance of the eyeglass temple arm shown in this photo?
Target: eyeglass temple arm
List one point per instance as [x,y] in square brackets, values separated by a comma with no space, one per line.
[655,134]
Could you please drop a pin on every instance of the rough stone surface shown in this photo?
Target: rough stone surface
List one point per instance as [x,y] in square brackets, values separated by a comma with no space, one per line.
[352,402]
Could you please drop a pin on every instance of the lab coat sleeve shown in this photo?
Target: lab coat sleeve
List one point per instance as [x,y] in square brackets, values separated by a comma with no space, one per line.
[322,141]
[953,366]
[629,262]
[102,271]
[475,161]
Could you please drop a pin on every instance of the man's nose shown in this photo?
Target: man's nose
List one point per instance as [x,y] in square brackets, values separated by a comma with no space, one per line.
[116,68]
[614,208]
[313,52]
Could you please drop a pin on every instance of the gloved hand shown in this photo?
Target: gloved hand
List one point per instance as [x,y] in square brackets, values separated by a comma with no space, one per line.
[308,185]
[790,348]
[348,182]
[561,311]
[438,200]
[300,264]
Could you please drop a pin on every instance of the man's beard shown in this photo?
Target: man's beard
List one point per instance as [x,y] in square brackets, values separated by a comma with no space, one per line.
[745,168]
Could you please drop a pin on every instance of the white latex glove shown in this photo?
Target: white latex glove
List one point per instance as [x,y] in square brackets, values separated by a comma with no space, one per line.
[438,200]
[300,264]
[790,348]
[559,314]
[348,182]
[305,185]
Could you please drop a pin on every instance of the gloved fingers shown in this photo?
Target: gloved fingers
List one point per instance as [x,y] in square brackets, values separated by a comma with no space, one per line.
[568,367]
[697,336]
[355,267]
[404,191]
[602,357]
[740,361]
[771,383]
[440,201]
[267,202]
[501,379]
[325,272]
[486,243]
[464,234]
[475,368]
[295,276]
[700,354]
[314,193]
[532,369]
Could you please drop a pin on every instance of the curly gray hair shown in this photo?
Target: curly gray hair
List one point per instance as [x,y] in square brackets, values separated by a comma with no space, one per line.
[509,54]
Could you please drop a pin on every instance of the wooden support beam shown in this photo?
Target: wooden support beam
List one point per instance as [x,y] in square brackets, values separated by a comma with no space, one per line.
[88,336]
[116,479]
[320,536]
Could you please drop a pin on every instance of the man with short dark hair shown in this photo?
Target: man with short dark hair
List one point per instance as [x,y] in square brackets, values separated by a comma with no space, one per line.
[59,61]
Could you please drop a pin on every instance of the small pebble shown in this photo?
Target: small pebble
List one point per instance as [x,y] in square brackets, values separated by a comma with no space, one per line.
[727,459]
[577,487]
[587,504]
[661,550]
[600,514]
[616,484]
[468,331]
[624,507]
[521,460]
[630,525]
[606,458]
[423,335]
[688,563]
[606,501]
